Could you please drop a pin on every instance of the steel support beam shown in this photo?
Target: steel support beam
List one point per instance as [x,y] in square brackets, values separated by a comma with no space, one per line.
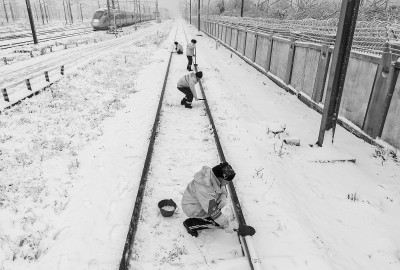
[337,73]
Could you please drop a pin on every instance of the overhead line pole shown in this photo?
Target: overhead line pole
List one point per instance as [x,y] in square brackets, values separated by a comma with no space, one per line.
[37,17]
[198,16]
[41,11]
[28,6]
[81,11]
[337,73]
[241,9]
[65,13]
[12,12]
[190,11]
[70,12]
[5,10]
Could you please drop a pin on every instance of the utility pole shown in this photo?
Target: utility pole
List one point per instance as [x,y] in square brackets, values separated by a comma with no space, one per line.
[198,16]
[157,13]
[28,6]
[65,13]
[37,17]
[81,11]
[337,73]
[190,13]
[41,11]
[70,11]
[241,9]
[48,11]
[5,10]
[12,12]
[45,12]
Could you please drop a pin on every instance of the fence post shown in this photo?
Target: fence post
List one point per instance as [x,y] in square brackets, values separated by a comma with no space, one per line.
[245,42]
[46,75]
[28,84]
[289,65]
[62,70]
[375,111]
[5,95]
[226,31]
[269,53]
[322,72]
[255,47]
[237,39]
[230,41]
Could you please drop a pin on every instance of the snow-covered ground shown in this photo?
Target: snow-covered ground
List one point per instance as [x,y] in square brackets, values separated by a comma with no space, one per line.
[71,159]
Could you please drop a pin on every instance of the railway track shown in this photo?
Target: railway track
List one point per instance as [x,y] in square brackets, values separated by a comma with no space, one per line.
[14,77]
[81,31]
[154,242]
[28,34]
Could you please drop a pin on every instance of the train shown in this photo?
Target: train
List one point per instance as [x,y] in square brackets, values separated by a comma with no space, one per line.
[103,20]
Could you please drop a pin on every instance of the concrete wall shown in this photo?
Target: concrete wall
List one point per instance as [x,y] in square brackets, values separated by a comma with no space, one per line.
[223,33]
[391,130]
[263,43]
[279,57]
[304,71]
[357,89]
[228,36]
[234,38]
[241,41]
[250,45]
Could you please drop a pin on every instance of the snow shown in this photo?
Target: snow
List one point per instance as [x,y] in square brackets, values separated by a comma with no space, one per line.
[72,157]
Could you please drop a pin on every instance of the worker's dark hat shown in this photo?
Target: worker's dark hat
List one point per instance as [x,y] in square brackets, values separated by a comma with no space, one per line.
[224,170]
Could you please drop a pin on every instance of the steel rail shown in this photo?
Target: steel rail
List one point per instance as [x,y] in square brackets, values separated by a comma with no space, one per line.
[246,242]
[133,225]
[23,43]
[37,74]
[27,34]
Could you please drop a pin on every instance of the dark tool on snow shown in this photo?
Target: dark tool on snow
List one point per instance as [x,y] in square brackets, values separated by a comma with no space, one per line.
[243,230]
[167,207]
[201,99]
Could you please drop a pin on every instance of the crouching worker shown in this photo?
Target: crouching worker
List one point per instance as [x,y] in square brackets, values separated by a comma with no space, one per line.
[204,198]
[178,48]
[186,85]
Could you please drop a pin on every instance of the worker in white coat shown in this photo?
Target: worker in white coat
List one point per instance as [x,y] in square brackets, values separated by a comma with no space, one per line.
[204,198]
